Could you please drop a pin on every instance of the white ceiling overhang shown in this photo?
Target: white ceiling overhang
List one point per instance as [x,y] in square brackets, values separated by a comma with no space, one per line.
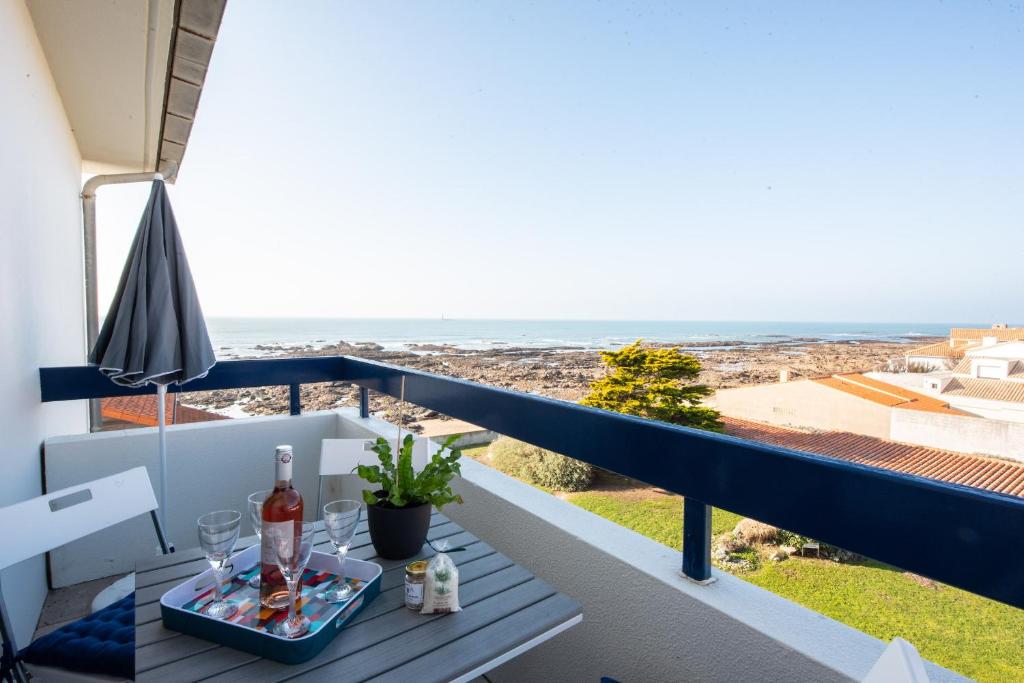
[130,73]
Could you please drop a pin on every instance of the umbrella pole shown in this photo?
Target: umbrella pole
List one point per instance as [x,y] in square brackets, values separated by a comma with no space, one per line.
[161,415]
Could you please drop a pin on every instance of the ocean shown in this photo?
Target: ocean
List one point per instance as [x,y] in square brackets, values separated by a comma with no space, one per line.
[233,337]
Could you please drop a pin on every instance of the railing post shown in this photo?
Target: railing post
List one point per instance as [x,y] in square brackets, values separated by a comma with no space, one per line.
[294,399]
[696,540]
[364,402]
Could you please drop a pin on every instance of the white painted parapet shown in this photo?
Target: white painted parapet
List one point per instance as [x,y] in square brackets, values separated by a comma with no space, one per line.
[211,466]
[641,620]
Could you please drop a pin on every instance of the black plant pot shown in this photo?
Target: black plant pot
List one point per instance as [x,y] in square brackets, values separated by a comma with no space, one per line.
[398,533]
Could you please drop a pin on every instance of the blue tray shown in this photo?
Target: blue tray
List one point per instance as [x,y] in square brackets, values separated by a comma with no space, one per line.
[182,608]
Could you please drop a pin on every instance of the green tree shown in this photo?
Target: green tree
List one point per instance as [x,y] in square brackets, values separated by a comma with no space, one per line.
[656,384]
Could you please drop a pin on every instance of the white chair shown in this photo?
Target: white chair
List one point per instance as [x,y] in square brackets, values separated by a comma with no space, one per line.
[342,456]
[41,524]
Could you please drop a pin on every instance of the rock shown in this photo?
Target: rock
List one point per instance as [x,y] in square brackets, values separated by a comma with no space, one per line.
[563,373]
[779,555]
[788,549]
[730,544]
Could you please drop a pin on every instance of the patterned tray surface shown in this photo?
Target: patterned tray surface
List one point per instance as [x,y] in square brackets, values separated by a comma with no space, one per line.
[252,615]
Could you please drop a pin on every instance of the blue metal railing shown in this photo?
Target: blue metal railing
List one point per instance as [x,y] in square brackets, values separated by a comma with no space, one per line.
[962,536]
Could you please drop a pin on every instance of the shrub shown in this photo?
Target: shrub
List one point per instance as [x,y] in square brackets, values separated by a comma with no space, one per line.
[920,367]
[656,384]
[538,466]
[752,531]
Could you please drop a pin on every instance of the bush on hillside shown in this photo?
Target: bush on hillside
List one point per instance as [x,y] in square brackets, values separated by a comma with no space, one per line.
[538,466]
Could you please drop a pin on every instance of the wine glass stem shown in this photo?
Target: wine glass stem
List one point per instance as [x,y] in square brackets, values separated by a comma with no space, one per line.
[342,552]
[292,599]
[218,590]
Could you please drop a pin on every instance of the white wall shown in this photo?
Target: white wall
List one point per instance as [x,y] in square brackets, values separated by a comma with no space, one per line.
[210,466]
[966,434]
[41,292]
[804,404]
[1006,411]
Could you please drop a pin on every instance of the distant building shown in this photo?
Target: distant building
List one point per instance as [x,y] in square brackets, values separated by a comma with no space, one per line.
[957,468]
[947,354]
[893,407]
[849,403]
[988,381]
[127,412]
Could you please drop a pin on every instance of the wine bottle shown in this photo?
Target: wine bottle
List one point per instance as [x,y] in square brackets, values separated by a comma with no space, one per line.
[283,505]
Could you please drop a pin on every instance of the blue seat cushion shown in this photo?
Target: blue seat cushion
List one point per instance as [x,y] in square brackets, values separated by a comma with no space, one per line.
[101,643]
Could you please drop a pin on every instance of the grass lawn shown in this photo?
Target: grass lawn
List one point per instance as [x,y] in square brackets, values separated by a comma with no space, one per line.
[969,634]
[974,636]
[658,518]
[961,631]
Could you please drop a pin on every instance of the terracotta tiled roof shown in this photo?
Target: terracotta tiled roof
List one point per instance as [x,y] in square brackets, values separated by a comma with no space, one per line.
[979,471]
[990,389]
[941,350]
[974,333]
[963,367]
[886,394]
[141,410]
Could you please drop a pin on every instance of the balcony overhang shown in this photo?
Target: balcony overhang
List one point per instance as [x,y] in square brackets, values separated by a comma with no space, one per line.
[130,75]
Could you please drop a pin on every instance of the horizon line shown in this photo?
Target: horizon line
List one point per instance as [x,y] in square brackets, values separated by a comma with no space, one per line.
[607,320]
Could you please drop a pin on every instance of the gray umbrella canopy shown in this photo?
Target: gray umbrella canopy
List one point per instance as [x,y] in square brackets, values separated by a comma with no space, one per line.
[154,331]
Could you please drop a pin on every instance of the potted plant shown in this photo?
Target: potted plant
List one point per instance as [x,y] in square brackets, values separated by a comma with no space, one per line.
[399,511]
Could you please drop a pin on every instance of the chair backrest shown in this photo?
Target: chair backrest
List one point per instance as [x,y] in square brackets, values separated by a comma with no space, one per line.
[41,524]
[340,456]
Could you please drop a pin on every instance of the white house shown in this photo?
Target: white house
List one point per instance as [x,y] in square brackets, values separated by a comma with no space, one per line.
[945,355]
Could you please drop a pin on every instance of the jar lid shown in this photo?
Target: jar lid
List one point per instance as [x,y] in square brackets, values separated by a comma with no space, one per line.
[417,567]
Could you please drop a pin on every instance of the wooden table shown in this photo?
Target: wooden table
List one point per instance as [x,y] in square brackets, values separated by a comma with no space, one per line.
[505,612]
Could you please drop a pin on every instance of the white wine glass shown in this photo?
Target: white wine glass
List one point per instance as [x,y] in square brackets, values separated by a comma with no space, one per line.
[255,501]
[292,543]
[218,533]
[340,520]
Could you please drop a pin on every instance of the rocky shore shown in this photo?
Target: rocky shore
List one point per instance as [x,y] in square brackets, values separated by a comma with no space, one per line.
[563,373]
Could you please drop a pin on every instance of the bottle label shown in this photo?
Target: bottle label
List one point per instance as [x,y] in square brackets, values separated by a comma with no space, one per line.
[283,464]
[413,595]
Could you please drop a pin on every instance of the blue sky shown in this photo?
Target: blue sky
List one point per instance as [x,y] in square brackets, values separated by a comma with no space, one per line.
[746,161]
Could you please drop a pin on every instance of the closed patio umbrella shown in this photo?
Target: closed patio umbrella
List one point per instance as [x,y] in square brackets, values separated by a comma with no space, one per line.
[154,331]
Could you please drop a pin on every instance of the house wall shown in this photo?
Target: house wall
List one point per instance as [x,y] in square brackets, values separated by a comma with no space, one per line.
[805,404]
[41,305]
[1005,411]
[959,433]
[1011,350]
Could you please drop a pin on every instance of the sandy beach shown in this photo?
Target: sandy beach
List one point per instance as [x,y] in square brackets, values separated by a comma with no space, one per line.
[557,372]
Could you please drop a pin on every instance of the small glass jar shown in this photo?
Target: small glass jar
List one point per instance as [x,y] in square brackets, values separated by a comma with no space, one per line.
[415,577]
